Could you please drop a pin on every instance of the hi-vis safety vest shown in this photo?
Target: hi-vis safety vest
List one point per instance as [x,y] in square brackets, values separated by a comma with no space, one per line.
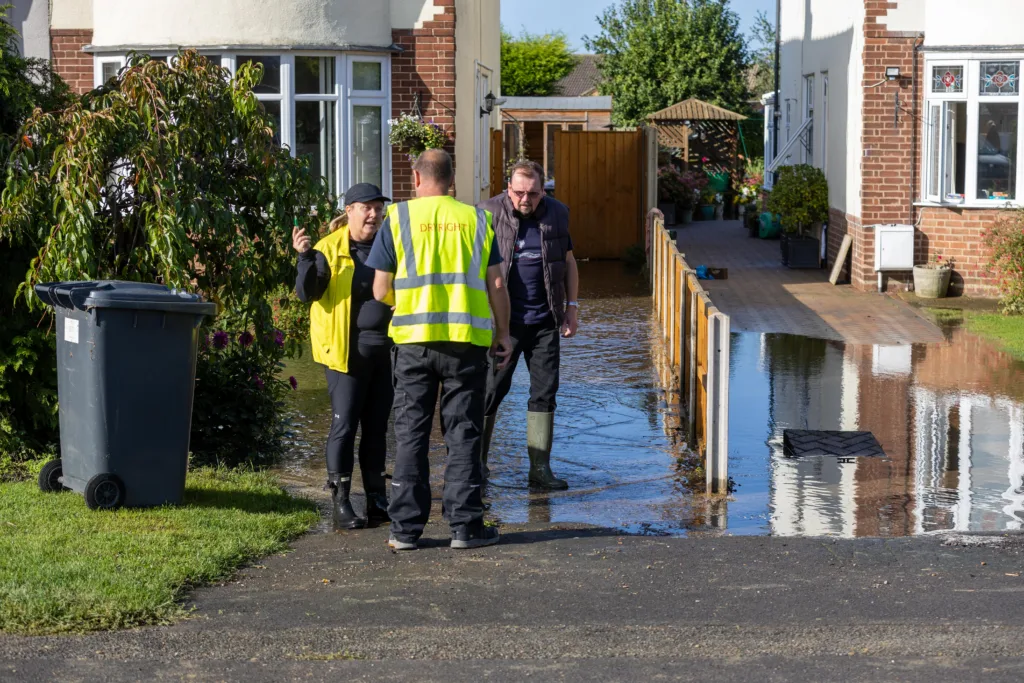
[331,316]
[442,248]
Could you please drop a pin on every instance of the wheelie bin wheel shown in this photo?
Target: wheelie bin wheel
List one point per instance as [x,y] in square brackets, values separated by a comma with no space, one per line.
[104,492]
[49,477]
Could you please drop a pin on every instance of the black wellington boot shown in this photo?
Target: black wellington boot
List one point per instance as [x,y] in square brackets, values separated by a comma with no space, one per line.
[343,514]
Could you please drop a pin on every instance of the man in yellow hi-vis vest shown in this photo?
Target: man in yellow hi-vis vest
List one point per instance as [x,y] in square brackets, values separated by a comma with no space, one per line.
[437,262]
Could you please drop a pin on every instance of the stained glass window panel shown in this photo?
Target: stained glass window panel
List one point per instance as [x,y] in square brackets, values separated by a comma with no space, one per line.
[1000,78]
[947,79]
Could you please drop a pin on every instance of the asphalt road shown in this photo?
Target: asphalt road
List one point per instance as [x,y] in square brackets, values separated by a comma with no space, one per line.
[577,604]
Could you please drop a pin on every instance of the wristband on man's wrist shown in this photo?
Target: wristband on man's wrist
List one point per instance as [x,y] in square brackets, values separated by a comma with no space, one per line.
[574,304]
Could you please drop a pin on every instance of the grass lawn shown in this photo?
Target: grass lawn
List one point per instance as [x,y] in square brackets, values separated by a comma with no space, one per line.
[65,568]
[1005,330]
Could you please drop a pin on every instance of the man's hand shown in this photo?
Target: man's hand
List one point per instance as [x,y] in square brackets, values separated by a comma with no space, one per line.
[572,321]
[501,349]
[300,240]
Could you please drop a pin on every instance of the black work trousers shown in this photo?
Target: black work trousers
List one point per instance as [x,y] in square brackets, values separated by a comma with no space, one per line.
[361,398]
[541,346]
[459,373]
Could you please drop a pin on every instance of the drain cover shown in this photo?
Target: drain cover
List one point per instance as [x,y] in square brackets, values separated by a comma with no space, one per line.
[801,442]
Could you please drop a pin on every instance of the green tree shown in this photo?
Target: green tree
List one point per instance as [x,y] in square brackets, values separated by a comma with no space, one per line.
[532,64]
[655,53]
[28,385]
[170,173]
[763,55]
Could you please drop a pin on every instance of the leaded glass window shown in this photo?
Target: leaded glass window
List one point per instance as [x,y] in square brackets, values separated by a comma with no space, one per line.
[1000,78]
[947,79]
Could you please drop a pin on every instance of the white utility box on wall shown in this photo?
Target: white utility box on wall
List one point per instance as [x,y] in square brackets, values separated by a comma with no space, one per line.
[894,249]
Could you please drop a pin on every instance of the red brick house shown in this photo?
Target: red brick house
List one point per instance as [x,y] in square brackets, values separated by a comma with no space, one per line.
[912,109]
[335,71]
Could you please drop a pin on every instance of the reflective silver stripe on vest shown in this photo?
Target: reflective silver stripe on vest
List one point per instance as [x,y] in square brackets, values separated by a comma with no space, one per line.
[441,319]
[412,280]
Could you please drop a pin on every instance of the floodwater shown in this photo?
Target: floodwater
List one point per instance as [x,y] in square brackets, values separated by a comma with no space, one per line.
[949,416]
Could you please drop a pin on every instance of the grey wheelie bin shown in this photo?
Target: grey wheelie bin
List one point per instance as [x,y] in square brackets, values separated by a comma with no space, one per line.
[126,368]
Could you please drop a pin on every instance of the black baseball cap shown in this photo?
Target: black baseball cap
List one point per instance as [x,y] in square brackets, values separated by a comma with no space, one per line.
[364,193]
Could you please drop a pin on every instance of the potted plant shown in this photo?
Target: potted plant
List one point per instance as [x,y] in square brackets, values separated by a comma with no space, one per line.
[670,189]
[800,196]
[750,188]
[707,204]
[719,203]
[692,184]
[931,280]
[414,136]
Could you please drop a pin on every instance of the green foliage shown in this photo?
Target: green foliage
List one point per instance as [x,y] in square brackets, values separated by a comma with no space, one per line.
[655,53]
[170,173]
[532,64]
[763,55]
[800,196]
[1006,242]
[28,381]
[413,136]
[65,568]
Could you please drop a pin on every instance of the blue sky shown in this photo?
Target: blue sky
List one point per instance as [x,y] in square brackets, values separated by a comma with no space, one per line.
[578,18]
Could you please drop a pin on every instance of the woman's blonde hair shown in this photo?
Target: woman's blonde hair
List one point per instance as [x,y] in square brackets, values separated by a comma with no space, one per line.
[339,222]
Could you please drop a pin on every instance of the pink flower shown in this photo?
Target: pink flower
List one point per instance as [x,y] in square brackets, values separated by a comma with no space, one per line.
[294,382]
[220,339]
[245,339]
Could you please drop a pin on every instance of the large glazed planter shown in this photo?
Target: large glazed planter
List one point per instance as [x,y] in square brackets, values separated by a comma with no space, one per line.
[707,212]
[931,283]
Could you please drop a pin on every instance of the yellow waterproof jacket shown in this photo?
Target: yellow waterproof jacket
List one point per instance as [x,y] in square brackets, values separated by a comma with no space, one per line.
[442,248]
[331,316]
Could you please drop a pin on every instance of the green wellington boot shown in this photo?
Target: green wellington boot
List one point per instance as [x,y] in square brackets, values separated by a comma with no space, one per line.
[540,428]
[485,443]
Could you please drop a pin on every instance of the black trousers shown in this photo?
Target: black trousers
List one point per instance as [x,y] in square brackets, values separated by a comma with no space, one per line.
[459,373]
[361,398]
[541,346]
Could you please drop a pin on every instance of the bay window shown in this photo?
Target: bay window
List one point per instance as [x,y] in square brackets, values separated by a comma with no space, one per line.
[330,109]
[971,120]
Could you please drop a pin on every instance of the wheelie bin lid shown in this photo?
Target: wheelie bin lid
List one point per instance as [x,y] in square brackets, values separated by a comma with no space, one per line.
[137,296]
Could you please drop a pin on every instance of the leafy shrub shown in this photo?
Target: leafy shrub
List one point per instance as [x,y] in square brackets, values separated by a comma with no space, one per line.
[28,379]
[1006,240]
[170,173]
[800,196]
[670,184]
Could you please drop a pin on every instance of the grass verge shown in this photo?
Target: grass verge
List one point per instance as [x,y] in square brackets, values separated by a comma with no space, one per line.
[1005,330]
[65,568]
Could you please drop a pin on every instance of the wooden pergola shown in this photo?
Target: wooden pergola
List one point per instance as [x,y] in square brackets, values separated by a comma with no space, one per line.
[701,131]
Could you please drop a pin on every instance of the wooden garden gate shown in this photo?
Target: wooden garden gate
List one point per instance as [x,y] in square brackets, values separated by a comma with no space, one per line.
[600,176]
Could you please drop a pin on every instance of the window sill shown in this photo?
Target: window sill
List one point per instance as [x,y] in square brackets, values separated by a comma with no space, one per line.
[970,205]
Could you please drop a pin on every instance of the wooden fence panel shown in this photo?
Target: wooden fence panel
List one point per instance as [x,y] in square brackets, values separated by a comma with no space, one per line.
[497,163]
[600,177]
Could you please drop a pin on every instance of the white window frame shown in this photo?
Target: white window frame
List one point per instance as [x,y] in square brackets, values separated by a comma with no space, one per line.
[344,97]
[809,94]
[824,123]
[971,95]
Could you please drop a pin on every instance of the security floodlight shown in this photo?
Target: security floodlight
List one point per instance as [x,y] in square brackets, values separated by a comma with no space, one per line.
[892,73]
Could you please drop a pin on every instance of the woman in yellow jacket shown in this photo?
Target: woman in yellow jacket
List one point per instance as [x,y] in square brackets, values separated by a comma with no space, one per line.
[349,335]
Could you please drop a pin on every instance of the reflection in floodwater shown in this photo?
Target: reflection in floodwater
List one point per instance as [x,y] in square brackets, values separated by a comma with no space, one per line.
[950,417]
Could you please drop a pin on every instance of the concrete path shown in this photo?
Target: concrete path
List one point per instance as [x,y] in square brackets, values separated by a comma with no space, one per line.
[760,295]
[557,603]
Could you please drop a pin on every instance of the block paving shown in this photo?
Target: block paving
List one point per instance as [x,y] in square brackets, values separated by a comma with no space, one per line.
[760,295]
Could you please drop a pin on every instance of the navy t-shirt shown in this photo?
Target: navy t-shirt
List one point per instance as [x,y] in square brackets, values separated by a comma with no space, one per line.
[383,257]
[526,276]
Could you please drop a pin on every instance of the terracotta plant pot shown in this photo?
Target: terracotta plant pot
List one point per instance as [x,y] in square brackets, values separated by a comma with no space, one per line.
[931,283]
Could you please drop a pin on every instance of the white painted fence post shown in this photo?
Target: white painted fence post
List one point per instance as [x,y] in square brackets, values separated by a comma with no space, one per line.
[717,432]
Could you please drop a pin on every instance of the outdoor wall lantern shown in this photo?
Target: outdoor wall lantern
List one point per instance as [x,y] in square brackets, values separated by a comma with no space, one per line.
[489,102]
[892,73]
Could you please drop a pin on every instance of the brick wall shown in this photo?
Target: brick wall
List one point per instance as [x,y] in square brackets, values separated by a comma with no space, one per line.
[73,65]
[426,67]
[891,164]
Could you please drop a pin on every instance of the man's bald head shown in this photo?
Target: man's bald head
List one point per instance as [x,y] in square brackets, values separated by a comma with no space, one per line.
[435,168]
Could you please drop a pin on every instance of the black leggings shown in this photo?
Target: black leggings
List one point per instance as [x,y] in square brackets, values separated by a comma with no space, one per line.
[361,398]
